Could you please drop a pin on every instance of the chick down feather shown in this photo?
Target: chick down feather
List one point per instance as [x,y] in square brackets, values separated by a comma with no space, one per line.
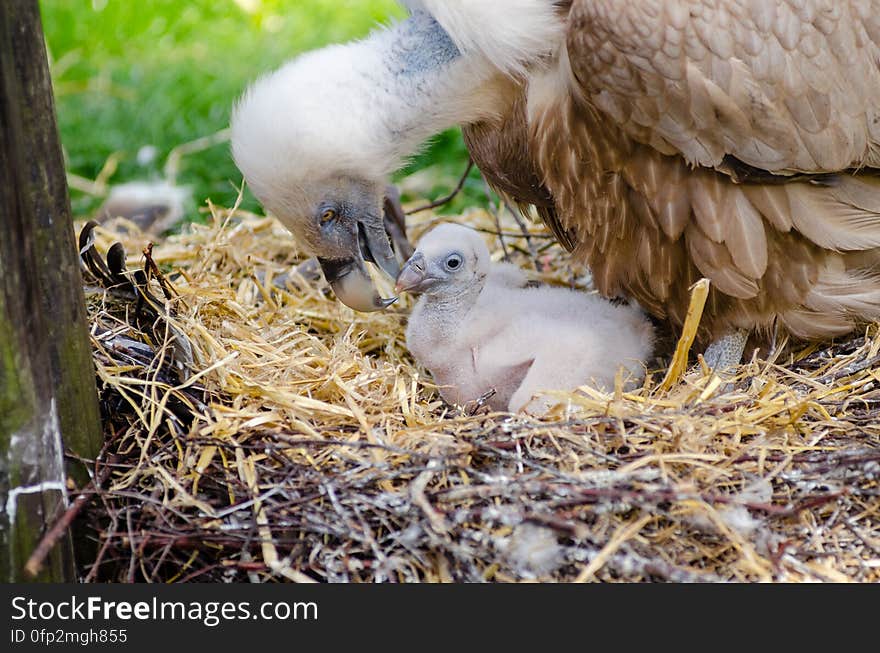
[478,327]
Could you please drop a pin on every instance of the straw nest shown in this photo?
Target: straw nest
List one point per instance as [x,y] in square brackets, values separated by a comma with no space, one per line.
[258,430]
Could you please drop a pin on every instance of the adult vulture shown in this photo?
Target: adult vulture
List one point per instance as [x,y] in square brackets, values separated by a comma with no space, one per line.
[661,140]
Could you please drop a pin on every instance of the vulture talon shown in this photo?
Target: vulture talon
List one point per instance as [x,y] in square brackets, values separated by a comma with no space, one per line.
[90,257]
[149,312]
[87,237]
[116,260]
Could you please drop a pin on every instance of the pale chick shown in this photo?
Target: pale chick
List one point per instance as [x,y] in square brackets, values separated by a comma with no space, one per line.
[478,327]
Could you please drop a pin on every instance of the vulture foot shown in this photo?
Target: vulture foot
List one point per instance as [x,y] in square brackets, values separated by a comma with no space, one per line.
[726,352]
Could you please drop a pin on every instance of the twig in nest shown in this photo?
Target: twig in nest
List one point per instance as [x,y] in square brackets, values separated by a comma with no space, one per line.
[34,565]
[525,232]
[495,211]
[513,234]
[417,492]
[849,370]
[446,200]
[151,270]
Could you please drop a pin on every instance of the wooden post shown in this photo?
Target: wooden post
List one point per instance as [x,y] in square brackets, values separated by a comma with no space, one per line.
[48,399]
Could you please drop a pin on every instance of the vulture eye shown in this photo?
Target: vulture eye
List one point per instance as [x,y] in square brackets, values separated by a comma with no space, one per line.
[329,215]
[453,262]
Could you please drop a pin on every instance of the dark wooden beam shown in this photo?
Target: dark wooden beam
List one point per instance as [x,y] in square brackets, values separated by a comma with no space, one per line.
[48,400]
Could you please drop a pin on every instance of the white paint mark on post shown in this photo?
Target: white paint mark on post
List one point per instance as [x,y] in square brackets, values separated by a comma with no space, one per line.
[37,451]
[45,486]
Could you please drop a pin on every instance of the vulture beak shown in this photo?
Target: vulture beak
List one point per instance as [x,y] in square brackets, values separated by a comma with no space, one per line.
[349,276]
[413,277]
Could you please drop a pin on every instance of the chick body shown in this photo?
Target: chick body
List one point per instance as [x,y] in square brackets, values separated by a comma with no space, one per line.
[478,327]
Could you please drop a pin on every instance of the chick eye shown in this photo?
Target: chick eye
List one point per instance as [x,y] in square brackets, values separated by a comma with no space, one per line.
[453,262]
[329,215]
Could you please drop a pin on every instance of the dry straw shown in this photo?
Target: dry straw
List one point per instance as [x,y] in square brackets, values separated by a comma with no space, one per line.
[258,430]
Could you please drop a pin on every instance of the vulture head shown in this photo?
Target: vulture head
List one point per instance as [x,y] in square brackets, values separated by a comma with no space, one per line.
[318,138]
[451,262]
[317,157]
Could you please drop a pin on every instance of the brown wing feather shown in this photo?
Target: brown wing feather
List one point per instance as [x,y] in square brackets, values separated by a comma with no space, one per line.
[782,85]
[650,225]
[726,139]
[500,149]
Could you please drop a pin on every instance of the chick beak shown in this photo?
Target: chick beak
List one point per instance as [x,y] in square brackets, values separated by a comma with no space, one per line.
[349,277]
[412,276]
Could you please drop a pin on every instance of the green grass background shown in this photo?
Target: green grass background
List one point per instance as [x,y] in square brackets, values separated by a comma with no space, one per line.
[131,73]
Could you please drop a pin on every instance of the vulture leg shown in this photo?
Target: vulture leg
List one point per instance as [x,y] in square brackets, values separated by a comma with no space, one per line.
[395,224]
[727,351]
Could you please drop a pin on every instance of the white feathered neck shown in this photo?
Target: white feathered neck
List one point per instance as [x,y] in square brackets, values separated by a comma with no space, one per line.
[362,108]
